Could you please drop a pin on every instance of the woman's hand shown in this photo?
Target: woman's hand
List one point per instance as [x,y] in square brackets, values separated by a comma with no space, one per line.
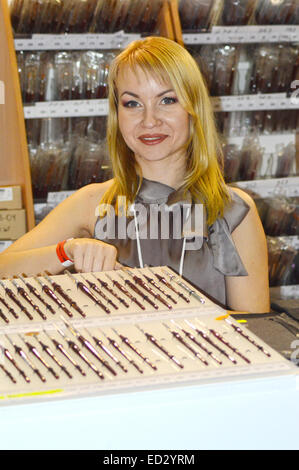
[91,255]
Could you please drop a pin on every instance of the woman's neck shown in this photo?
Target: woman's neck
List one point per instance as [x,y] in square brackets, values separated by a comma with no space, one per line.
[171,175]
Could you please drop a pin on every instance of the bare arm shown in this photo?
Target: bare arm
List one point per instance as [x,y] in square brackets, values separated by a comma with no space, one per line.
[250,293]
[73,218]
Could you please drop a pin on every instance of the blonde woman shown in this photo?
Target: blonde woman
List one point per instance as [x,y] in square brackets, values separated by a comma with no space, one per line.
[167,203]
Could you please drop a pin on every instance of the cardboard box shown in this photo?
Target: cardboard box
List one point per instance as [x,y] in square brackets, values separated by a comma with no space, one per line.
[11,197]
[12,224]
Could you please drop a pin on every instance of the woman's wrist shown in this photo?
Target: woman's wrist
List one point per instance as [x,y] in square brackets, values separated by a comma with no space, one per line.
[63,255]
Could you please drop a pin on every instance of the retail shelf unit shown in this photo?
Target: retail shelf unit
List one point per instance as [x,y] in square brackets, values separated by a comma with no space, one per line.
[246,35]
[15,168]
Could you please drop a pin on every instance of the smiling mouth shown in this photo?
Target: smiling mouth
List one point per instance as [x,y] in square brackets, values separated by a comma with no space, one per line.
[152,139]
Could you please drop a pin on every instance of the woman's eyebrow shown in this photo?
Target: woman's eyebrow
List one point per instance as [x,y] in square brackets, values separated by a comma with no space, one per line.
[137,96]
[164,92]
[129,93]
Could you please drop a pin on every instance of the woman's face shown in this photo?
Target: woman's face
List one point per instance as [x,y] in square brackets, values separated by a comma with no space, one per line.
[153,123]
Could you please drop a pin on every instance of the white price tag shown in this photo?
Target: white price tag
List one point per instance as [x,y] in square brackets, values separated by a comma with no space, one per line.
[57,197]
[292,240]
[2,92]
[6,194]
[290,291]
[4,244]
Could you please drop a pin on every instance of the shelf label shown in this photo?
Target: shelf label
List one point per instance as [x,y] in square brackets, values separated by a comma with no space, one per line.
[70,108]
[292,240]
[288,291]
[254,102]
[271,187]
[2,92]
[117,40]
[244,34]
[58,196]
[295,93]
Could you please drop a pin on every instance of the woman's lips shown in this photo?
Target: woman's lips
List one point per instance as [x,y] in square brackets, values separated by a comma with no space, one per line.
[152,139]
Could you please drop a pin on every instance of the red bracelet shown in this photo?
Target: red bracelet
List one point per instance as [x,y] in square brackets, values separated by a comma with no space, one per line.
[63,258]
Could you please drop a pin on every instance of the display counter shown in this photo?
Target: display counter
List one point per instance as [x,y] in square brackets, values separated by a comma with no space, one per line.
[189,377]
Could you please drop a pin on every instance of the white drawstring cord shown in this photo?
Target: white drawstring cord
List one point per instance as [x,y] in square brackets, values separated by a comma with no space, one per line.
[181,267]
[137,238]
[139,252]
[182,257]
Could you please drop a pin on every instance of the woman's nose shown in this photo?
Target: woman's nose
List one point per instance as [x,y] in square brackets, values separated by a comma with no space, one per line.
[151,117]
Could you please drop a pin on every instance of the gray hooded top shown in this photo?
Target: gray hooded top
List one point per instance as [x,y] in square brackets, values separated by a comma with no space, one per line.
[213,254]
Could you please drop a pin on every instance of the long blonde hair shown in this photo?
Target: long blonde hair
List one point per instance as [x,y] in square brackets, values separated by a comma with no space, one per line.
[165,58]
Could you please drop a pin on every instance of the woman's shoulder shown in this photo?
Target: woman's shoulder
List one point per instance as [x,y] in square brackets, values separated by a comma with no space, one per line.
[246,198]
[240,205]
[84,202]
[92,192]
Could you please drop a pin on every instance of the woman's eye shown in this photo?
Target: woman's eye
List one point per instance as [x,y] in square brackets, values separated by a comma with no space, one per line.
[169,100]
[131,104]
